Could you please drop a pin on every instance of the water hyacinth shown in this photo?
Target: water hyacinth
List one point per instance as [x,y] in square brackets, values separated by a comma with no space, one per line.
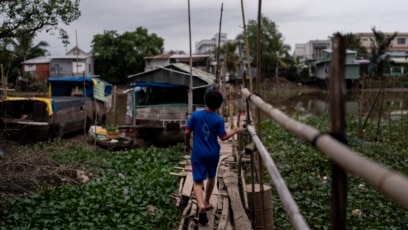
[121,176]
[125,191]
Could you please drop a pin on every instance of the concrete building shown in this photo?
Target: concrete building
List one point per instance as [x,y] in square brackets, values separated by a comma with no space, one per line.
[208,45]
[399,44]
[311,50]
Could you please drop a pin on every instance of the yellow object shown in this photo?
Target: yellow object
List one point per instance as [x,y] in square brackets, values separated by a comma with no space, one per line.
[47,101]
[101,131]
[112,134]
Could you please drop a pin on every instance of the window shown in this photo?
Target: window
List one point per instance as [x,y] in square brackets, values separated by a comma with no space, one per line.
[401,41]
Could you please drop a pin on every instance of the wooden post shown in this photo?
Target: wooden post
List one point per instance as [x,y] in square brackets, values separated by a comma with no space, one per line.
[247,62]
[337,127]
[190,88]
[217,75]
[114,106]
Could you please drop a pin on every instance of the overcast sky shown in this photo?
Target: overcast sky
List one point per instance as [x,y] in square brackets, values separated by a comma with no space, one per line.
[298,20]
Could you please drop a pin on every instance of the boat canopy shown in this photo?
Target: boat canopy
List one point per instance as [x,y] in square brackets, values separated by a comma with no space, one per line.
[62,85]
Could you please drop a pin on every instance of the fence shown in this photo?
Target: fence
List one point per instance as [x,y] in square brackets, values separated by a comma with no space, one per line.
[343,158]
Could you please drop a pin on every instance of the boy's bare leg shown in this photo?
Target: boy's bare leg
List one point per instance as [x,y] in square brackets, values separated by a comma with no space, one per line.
[208,191]
[198,191]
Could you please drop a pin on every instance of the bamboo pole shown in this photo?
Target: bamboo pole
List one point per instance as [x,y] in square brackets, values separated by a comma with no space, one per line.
[190,89]
[258,111]
[4,82]
[337,126]
[389,182]
[290,205]
[247,62]
[217,75]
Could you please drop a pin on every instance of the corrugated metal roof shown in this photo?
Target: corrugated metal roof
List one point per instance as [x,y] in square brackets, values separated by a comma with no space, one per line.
[47,59]
[175,56]
[161,56]
[180,69]
[205,76]
[399,60]
[38,60]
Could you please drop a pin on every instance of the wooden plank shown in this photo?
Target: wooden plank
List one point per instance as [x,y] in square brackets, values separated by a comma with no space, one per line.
[179,174]
[186,168]
[224,214]
[211,214]
[192,225]
[185,214]
[188,185]
[183,163]
[179,194]
[241,219]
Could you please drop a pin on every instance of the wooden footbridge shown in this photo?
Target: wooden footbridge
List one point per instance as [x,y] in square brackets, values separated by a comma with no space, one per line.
[226,193]
[238,205]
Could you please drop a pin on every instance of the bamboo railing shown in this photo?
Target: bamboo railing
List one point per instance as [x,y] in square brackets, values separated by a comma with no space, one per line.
[343,159]
[391,183]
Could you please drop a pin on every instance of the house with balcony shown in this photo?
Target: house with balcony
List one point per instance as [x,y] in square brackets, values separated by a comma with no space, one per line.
[75,62]
[398,44]
[205,46]
[352,66]
[311,50]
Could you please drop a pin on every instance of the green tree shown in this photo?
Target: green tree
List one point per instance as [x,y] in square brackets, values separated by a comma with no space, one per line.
[379,61]
[119,55]
[379,46]
[23,49]
[354,43]
[19,49]
[37,15]
[229,56]
[275,53]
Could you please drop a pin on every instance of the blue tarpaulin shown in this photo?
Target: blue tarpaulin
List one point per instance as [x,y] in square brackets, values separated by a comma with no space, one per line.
[62,86]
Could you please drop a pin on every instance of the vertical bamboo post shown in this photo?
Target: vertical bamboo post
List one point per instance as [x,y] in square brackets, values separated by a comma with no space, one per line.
[217,75]
[337,127]
[247,62]
[258,111]
[190,88]
[3,81]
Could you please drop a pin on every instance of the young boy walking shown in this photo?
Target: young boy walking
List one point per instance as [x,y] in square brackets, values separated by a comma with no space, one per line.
[207,126]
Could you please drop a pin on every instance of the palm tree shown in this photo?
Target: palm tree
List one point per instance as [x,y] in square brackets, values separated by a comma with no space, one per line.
[379,46]
[229,55]
[379,60]
[24,49]
[354,43]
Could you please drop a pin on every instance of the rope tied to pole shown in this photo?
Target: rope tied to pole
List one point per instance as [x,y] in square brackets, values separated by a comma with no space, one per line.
[340,137]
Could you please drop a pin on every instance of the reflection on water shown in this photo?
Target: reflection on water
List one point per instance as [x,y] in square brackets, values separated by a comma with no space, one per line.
[395,104]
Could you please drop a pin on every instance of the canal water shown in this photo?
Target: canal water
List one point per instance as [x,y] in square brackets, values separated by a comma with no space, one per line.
[359,103]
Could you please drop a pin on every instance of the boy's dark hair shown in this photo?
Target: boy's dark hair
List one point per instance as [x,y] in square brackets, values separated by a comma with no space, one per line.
[213,99]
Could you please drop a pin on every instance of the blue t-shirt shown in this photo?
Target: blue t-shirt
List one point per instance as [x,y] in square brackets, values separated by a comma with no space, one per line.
[206,126]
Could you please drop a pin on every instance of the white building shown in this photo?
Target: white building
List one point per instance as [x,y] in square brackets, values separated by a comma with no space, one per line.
[311,50]
[208,45]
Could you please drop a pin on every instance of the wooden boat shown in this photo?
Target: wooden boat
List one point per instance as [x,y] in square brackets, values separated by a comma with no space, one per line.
[30,119]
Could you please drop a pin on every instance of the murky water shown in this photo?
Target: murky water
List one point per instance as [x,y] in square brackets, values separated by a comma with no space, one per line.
[395,103]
